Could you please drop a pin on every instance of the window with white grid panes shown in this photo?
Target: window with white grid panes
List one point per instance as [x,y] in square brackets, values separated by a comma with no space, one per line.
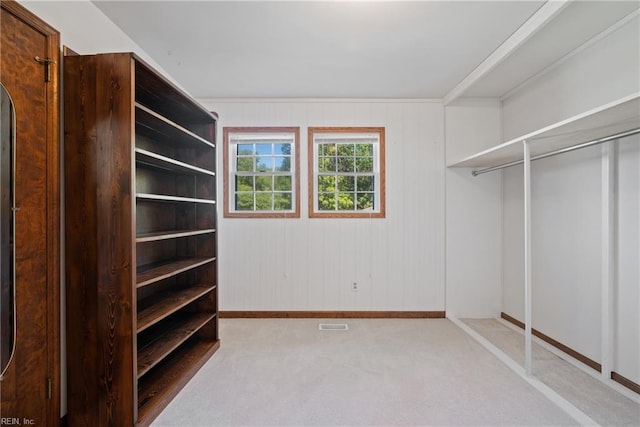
[346,177]
[261,177]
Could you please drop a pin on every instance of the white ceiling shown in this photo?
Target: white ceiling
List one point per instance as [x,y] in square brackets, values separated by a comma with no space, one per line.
[345,49]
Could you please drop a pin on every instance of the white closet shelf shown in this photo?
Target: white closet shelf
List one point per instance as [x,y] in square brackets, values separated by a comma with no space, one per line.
[610,119]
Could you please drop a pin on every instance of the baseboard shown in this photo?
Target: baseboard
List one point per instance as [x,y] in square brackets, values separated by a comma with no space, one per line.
[571,352]
[625,382]
[333,314]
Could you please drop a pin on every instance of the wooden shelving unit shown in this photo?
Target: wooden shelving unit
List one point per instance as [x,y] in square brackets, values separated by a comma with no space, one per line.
[141,239]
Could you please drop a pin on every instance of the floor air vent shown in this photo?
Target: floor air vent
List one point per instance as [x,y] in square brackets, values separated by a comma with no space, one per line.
[333,327]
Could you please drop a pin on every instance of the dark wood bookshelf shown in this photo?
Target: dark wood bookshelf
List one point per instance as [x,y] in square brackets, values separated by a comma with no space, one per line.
[171,234]
[163,304]
[173,132]
[169,198]
[156,272]
[162,162]
[164,342]
[161,384]
[141,239]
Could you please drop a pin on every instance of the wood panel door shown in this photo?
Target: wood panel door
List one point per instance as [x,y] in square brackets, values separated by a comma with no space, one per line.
[30,387]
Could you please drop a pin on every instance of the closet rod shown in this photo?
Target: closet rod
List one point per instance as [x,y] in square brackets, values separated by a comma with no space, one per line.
[560,151]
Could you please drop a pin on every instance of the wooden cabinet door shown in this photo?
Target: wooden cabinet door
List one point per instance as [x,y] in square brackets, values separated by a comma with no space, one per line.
[30,387]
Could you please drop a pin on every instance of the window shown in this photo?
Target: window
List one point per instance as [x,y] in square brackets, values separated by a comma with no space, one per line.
[261,172]
[346,178]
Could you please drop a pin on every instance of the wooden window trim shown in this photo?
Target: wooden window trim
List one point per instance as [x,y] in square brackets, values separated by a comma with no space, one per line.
[312,172]
[228,213]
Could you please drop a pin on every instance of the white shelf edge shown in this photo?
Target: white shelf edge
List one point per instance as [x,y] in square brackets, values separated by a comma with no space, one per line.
[540,132]
[172,162]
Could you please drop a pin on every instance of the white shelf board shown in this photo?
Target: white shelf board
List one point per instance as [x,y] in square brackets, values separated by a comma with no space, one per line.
[609,119]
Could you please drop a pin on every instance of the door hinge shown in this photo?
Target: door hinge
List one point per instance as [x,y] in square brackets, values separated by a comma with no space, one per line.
[49,388]
[47,66]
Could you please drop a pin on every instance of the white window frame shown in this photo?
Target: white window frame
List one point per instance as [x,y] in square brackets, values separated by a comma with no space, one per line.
[375,135]
[233,136]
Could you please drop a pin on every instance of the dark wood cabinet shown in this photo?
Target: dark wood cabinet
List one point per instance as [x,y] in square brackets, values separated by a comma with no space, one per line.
[141,242]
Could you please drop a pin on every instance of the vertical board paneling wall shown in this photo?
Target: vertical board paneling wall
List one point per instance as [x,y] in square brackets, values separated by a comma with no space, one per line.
[310,264]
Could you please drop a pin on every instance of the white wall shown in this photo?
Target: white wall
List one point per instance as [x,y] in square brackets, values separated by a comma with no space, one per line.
[310,264]
[473,228]
[566,248]
[627,351]
[567,197]
[85,29]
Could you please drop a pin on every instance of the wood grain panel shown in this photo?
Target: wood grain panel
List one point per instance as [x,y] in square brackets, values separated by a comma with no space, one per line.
[100,205]
[24,390]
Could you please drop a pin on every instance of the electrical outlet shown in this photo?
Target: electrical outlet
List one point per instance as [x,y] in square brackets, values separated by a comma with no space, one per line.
[354,286]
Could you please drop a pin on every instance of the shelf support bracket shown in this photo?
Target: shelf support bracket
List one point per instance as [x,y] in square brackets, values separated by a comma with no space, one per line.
[527,257]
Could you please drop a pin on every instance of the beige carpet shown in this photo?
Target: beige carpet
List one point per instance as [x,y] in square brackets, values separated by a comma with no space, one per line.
[597,400]
[392,372]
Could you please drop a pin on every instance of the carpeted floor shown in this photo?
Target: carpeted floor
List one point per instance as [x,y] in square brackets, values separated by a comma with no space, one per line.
[597,400]
[392,372]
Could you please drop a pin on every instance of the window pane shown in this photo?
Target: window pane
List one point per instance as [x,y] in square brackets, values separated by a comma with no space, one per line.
[263,183]
[327,150]
[245,149]
[364,149]
[348,169]
[282,183]
[262,171]
[365,183]
[263,201]
[327,164]
[244,201]
[245,164]
[282,164]
[326,184]
[284,149]
[264,149]
[244,183]
[346,183]
[345,164]
[264,164]
[327,202]
[345,150]
[282,201]
[365,201]
[346,201]
[364,164]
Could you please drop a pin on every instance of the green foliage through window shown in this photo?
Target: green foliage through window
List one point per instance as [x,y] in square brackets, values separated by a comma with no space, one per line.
[263,175]
[346,176]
